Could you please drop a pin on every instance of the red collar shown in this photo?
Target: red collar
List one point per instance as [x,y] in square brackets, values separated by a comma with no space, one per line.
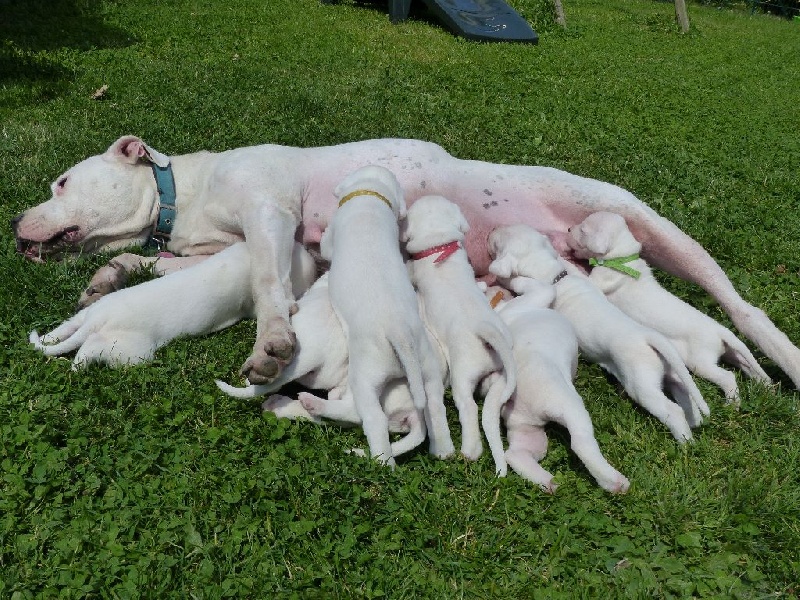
[445,249]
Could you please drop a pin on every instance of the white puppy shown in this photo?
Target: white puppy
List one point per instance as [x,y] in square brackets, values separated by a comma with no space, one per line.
[129,326]
[628,282]
[474,339]
[320,362]
[373,297]
[642,360]
[546,351]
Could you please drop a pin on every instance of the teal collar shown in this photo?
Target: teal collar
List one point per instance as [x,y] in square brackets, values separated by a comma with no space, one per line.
[618,264]
[167,211]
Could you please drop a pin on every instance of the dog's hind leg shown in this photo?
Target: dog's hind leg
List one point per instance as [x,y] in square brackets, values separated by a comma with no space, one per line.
[576,419]
[462,384]
[646,392]
[527,445]
[720,377]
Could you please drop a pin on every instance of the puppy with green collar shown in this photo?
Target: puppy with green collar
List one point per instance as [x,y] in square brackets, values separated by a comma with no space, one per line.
[628,282]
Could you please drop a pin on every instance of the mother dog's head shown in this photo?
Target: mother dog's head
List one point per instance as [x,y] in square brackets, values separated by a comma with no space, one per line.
[105,202]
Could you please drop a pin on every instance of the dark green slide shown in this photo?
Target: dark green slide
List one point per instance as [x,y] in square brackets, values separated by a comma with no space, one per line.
[485,20]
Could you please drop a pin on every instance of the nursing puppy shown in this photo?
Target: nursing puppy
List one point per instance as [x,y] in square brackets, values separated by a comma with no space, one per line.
[628,282]
[129,326]
[475,341]
[546,352]
[373,297]
[320,362]
[641,359]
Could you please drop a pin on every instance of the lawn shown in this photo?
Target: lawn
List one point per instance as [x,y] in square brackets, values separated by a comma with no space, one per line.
[148,482]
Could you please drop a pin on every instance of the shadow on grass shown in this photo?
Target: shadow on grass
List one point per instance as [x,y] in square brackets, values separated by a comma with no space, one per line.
[31,28]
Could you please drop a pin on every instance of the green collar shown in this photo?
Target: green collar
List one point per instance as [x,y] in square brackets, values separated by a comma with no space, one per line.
[618,264]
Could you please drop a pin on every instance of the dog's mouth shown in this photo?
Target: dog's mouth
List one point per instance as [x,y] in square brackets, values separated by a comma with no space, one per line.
[54,247]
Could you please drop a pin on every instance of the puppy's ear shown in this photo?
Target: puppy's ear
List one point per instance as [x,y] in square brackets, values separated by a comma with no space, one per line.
[402,209]
[326,243]
[460,220]
[596,241]
[404,236]
[502,266]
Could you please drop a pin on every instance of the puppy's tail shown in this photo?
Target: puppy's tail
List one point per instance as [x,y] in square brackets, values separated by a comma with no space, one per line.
[68,336]
[249,391]
[404,349]
[677,373]
[499,392]
[739,355]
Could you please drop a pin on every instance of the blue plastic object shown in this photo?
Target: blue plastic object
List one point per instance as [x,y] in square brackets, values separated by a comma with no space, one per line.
[484,20]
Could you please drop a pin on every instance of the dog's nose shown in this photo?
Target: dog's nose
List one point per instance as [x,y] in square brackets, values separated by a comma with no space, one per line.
[16,220]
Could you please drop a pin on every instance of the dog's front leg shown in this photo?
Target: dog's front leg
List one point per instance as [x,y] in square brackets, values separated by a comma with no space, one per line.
[114,275]
[270,240]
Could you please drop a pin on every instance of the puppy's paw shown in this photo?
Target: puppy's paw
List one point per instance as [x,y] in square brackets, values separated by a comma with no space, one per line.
[313,404]
[618,484]
[549,487]
[471,449]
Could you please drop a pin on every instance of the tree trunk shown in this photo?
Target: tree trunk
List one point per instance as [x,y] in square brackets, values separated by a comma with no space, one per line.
[560,18]
[681,15]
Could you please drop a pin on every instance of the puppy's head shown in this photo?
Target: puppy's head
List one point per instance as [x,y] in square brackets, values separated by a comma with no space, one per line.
[521,250]
[433,220]
[602,235]
[378,180]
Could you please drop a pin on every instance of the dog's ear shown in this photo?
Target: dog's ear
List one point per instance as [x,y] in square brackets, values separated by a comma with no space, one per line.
[502,266]
[404,236]
[460,220]
[131,149]
[596,241]
[326,243]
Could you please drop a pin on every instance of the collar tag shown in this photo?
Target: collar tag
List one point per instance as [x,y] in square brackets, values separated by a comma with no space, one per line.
[617,264]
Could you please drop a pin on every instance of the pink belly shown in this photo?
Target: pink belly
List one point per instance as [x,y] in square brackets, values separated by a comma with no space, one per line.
[488,194]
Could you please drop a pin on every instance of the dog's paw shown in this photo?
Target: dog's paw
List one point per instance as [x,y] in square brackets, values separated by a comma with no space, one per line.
[618,484]
[471,449]
[314,405]
[269,358]
[108,279]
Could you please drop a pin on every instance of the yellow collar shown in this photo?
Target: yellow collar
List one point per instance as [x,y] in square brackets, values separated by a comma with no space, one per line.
[352,195]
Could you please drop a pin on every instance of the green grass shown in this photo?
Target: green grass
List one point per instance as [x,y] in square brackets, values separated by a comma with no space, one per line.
[147,482]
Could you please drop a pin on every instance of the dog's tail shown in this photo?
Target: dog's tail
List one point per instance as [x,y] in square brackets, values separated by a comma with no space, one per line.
[403,347]
[249,391]
[498,394]
[68,336]
[739,355]
[678,374]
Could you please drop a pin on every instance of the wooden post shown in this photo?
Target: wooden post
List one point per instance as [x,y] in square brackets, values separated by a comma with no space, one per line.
[681,15]
[560,18]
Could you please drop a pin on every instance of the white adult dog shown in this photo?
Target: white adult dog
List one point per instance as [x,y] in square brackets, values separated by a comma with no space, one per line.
[373,297]
[264,193]
[546,352]
[129,326]
[627,280]
[474,339]
[641,359]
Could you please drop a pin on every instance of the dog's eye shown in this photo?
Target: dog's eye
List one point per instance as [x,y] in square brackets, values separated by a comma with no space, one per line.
[61,183]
